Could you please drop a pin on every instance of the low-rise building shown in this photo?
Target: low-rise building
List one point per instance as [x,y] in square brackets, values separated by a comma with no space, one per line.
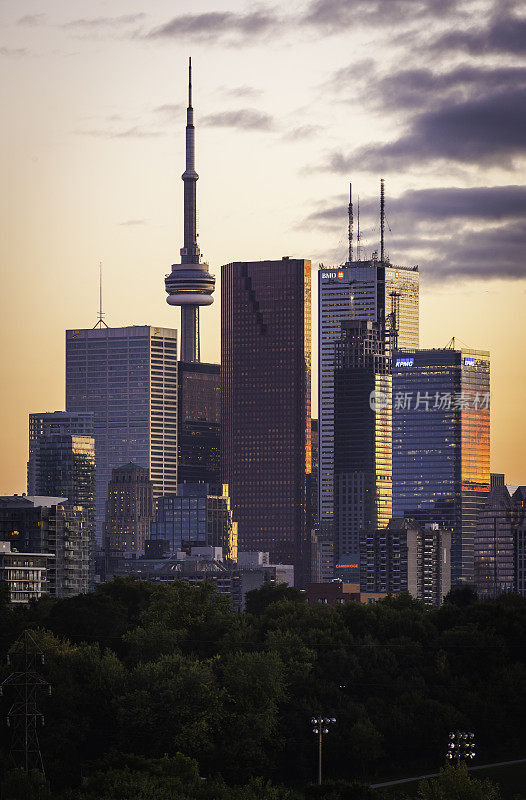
[24,573]
[338,592]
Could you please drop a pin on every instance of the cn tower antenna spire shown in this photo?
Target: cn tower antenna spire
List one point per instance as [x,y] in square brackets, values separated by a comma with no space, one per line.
[189,284]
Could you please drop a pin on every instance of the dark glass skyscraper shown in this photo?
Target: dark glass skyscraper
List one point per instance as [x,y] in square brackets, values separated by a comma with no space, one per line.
[441,439]
[199,417]
[265,405]
[362,439]
[494,550]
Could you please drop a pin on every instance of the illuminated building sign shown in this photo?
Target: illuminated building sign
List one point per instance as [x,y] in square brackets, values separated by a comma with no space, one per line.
[405,362]
[346,566]
[469,362]
[328,276]
[340,274]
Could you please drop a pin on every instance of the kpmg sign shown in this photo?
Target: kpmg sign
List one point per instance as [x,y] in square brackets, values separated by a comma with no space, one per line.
[405,362]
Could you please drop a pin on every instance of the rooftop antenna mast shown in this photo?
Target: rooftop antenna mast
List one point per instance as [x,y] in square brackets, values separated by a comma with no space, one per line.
[382,219]
[100,322]
[351,222]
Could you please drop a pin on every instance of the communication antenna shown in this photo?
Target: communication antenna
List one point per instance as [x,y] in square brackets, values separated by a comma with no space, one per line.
[382,219]
[100,322]
[351,221]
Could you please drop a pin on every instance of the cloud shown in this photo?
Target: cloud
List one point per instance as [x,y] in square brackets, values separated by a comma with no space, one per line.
[241,91]
[127,133]
[302,132]
[244,118]
[484,130]
[422,88]
[96,23]
[32,20]
[170,109]
[454,233]
[336,15]
[505,34]
[215,25]
[132,222]
[13,51]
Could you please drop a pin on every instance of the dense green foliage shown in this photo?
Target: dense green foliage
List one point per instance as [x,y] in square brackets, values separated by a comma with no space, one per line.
[163,691]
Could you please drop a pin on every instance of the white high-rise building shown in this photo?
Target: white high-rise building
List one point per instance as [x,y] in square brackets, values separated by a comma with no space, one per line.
[364,290]
[128,378]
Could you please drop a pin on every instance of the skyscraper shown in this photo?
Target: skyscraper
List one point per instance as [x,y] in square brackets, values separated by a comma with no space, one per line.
[363,290]
[441,439]
[129,511]
[362,436]
[199,418]
[52,423]
[189,284]
[128,378]
[495,541]
[265,404]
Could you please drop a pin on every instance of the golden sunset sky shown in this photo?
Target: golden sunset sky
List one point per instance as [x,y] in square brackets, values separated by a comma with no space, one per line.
[291,103]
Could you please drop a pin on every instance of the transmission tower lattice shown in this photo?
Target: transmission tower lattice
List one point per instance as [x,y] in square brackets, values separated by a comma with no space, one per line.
[23,716]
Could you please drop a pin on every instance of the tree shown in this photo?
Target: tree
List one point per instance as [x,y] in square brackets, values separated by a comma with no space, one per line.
[257,600]
[455,783]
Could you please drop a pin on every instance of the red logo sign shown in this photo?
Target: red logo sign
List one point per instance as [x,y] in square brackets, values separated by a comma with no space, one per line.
[396,274]
[340,274]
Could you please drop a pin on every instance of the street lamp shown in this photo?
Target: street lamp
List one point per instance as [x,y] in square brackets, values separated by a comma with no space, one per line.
[320,728]
[461,745]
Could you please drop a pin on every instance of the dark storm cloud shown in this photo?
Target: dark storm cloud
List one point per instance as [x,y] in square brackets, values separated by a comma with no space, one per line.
[455,233]
[96,23]
[424,88]
[491,253]
[214,25]
[484,130]
[422,206]
[332,15]
[244,118]
[503,35]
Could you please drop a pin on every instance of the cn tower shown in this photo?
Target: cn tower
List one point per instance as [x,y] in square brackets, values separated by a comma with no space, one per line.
[189,284]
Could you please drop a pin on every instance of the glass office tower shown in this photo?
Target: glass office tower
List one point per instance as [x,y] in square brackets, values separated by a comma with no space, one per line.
[441,440]
[128,378]
[358,290]
[362,435]
[265,405]
[199,422]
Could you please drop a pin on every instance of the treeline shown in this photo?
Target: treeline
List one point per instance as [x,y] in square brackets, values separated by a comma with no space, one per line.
[164,688]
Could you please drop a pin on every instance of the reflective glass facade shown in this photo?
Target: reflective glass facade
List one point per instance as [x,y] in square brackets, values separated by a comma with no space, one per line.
[494,550]
[265,402]
[199,417]
[128,378]
[441,440]
[200,515]
[362,434]
[358,290]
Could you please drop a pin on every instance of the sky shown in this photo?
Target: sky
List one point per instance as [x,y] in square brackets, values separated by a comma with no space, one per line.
[292,102]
